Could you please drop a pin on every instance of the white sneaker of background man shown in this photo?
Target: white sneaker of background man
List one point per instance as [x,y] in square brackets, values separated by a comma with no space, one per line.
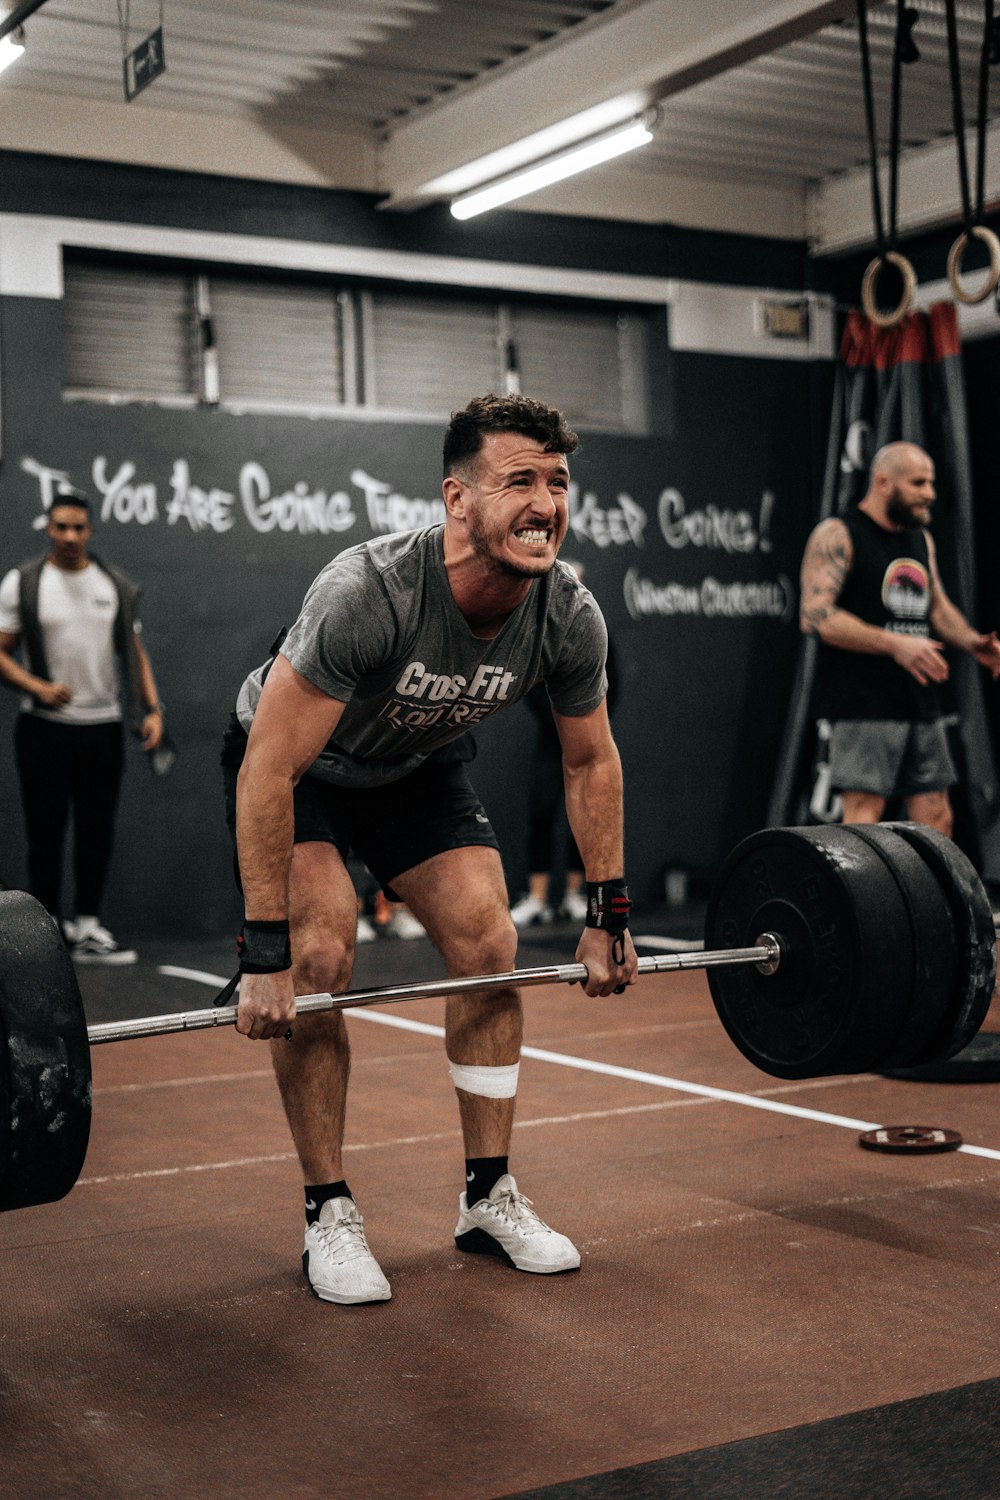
[403,924]
[574,905]
[93,944]
[530,911]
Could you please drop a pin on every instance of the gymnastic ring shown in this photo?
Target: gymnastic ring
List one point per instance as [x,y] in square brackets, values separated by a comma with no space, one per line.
[955,254]
[888,319]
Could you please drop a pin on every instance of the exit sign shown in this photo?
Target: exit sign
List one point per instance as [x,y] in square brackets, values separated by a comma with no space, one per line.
[144,64]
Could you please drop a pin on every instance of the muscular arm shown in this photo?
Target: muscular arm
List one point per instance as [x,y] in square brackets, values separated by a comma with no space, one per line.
[293,722]
[592,775]
[49,694]
[952,626]
[825,567]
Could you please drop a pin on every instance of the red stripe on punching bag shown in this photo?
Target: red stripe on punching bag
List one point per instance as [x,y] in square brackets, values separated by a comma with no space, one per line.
[945,338]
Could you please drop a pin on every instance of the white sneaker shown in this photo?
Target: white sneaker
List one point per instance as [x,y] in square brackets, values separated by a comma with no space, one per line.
[97,946]
[574,906]
[366,931]
[405,925]
[336,1259]
[530,912]
[505,1224]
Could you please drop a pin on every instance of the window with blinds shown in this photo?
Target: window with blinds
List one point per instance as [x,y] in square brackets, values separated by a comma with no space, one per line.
[143,332]
[428,354]
[589,362]
[129,331]
[276,343]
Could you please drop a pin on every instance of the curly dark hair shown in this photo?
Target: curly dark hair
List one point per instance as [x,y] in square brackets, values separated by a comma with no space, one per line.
[493,413]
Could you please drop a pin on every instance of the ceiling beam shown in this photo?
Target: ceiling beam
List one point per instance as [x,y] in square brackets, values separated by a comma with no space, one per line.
[18,15]
[638,53]
[839,209]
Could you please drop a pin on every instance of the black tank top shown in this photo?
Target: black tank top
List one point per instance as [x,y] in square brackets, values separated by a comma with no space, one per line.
[889,586]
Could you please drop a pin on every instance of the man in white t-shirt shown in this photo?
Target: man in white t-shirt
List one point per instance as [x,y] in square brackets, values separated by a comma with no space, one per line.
[73,621]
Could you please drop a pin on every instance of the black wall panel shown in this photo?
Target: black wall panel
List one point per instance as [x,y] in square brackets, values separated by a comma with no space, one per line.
[692,546]
[691,539]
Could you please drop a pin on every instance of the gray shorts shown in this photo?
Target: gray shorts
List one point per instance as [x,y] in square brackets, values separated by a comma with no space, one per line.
[889,758]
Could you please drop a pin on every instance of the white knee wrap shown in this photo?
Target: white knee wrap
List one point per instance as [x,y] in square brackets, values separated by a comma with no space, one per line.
[491,1083]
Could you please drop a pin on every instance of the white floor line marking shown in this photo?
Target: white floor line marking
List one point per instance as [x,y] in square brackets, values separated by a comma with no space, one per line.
[654,1080]
[182,1083]
[173,972]
[403,1140]
[383,1018]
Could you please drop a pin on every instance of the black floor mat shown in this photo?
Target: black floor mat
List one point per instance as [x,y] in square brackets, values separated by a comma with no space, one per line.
[940,1447]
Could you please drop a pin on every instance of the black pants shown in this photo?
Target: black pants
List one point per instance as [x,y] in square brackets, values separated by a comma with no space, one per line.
[546,809]
[64,766]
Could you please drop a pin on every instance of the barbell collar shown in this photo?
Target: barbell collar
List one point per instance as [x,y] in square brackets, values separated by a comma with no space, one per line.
[766,955]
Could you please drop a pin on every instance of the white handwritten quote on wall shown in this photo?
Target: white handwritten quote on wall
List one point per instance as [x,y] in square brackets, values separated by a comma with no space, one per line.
[127,498]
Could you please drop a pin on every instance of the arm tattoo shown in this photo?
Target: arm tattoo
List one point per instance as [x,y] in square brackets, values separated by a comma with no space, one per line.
[825,567]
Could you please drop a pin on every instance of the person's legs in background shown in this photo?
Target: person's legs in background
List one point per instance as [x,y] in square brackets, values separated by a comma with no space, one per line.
[544,793]
[98,763]
[43,767]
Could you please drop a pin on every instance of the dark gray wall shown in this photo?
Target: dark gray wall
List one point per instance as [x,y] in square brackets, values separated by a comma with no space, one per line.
[691,541]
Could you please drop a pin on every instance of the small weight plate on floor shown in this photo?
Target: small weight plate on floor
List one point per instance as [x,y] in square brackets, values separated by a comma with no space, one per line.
[909,1140]
[44,1058]
[838,999]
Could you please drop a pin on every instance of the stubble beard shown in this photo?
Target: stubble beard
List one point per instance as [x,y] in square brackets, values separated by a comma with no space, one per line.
[901,514]
[483,546]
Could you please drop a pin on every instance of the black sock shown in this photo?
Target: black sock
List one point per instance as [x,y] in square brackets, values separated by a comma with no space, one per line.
[317,1196]
[482,1173]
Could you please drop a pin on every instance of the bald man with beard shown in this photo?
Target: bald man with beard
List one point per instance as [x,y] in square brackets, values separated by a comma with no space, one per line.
[872,594]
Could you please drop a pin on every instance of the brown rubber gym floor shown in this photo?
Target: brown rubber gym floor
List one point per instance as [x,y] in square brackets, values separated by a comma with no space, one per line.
[763,1308]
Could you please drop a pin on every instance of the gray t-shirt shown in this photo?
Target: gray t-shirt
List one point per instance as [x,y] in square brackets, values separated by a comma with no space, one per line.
[380,631]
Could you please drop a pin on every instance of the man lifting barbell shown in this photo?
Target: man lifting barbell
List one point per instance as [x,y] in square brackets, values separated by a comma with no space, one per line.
[828,950]
[872,593]
[342,743]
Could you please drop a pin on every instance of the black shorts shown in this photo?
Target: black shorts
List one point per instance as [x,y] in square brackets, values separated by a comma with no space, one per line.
[390,828]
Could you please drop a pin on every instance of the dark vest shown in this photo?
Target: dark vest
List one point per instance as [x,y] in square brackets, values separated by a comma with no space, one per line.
[889,586]
[33,637]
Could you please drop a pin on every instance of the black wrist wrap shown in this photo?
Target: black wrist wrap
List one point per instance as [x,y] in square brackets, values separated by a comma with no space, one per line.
[264,948]
[608,905]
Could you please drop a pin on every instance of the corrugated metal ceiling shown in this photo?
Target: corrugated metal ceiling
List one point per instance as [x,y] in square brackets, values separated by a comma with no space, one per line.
[799,112]
[359,63]
[365,65]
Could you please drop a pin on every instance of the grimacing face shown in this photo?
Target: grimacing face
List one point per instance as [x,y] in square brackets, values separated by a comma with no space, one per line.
[517,511]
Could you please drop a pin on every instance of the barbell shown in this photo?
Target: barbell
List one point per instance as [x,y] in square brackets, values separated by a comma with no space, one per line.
[828,950]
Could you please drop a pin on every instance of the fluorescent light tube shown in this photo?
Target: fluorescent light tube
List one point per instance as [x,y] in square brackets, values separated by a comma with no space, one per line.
[539,146]
[10,50]
[606,148]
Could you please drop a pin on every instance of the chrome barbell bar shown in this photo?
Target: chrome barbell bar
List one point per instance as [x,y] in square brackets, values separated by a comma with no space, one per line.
[766,955]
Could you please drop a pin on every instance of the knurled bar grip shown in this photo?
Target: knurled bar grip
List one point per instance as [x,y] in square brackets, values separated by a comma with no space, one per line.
[767,954]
